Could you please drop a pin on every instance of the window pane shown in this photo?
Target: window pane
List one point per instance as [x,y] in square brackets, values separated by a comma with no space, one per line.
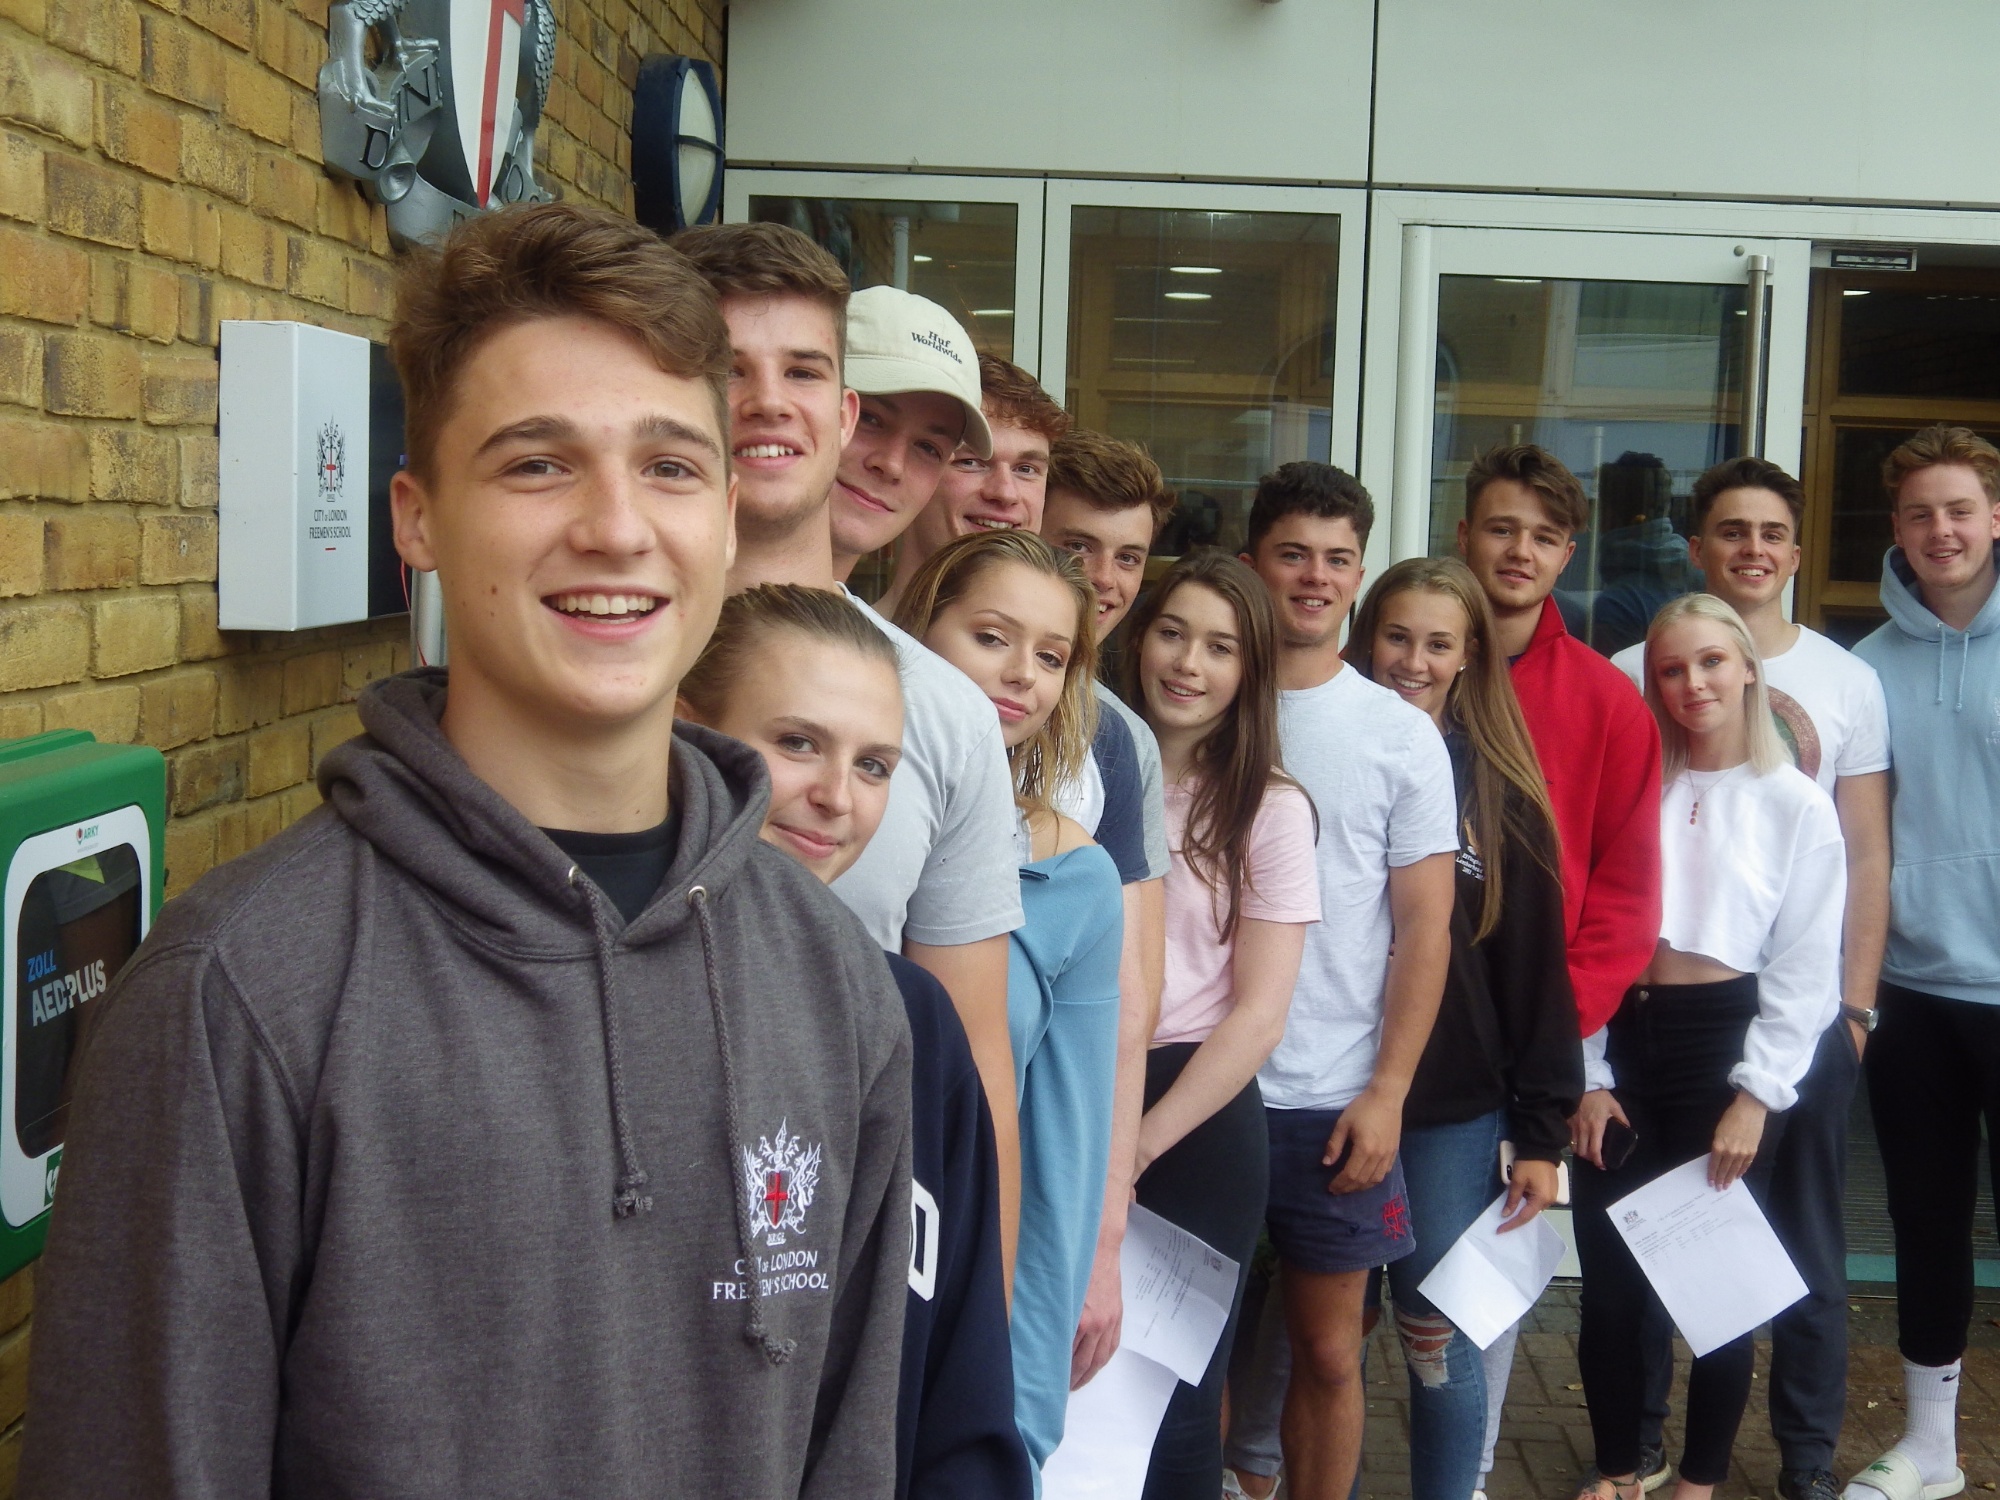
[1897,342]
[960,255]
[1209,338]
[1635,385]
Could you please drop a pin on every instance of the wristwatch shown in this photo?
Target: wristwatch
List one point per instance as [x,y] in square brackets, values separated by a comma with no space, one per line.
[1867,1019]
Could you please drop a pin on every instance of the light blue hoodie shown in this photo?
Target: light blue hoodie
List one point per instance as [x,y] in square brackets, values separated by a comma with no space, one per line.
[1943,687]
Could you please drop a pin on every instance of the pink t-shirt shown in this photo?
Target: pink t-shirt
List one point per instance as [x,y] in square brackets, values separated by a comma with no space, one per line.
[1281,885]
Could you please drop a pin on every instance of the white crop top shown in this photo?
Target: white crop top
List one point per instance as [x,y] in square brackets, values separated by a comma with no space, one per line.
[1754,875]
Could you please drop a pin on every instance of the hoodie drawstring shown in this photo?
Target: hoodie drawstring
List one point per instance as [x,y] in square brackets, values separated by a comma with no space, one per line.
[630,1196]
[1964,658]
[776,1350]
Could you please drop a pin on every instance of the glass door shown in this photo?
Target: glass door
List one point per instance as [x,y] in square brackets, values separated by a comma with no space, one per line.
[971,244]
[1216,325]
[1623,354]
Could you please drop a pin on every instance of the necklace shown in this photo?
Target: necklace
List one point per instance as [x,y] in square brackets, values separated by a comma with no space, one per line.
[1702,789]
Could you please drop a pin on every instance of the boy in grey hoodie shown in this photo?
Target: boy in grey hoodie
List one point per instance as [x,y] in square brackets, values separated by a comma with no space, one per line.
[1934,1064]
[518,1123]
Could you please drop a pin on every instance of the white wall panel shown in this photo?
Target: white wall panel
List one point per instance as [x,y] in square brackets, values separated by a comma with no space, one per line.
[1847,100]
[1236,89]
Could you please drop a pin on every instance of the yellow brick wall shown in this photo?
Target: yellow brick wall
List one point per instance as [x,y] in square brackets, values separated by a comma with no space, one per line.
[160,172]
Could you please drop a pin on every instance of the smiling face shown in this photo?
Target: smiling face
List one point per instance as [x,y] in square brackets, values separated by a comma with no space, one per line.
[1003,493]
[829,723]
[1191,662]
[789,417]
[1514,546]
[1312,566]
[1946,526]
[890,468]
[1110,544]
[579,521]
[1748,548]
[1701,675]
[1013,632]
[1422,642]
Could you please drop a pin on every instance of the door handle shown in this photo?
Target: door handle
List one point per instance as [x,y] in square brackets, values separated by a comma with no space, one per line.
[1759,278]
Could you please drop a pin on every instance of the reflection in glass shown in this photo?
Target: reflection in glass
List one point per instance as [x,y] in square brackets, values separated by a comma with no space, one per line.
[1898,342]
[1208,337]
[960,255]
[1636,386]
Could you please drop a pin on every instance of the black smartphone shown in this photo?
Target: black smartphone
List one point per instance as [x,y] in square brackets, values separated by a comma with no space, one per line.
[1619,1139]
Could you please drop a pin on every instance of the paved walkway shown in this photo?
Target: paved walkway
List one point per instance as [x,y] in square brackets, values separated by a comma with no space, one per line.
[1545,1440]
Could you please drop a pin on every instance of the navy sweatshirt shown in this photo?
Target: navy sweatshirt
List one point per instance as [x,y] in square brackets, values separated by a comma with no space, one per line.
[1505,1035]
[955,1432]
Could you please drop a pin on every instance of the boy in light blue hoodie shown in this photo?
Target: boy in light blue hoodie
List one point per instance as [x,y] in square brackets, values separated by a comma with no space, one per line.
[1934,1064]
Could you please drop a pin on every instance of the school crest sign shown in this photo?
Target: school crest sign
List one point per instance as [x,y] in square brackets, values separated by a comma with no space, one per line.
[431,105]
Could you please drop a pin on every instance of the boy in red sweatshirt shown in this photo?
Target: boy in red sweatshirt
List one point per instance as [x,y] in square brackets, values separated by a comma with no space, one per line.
[1600,754]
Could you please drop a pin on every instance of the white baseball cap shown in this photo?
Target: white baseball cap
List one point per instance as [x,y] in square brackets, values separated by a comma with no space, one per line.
[898,342]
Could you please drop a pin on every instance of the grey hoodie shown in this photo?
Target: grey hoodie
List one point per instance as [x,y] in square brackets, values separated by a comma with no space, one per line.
[399,1166]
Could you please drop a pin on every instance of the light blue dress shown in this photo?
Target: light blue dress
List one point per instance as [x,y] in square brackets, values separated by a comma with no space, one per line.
[1062,1013]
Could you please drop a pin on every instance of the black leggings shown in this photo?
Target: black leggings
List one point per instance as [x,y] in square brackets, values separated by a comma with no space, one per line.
[1933,1071]
[1213,1184]
[1671,1047]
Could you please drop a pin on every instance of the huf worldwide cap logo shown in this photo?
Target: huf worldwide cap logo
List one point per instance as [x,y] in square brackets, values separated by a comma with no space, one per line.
[930,338]
[431,105]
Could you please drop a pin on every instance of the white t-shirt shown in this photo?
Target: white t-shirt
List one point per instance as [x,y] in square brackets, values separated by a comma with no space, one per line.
[1828,701]
[941,868]
[1377,772]
[1755,877]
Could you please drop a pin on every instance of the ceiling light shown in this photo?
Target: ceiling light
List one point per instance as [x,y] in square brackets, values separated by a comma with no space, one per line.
[922,260]
[1190,296]
[1196,270]
[1519,280]
[993,312]
[1854,291]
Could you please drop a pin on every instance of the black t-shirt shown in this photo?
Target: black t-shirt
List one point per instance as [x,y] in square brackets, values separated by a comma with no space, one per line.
[627,867]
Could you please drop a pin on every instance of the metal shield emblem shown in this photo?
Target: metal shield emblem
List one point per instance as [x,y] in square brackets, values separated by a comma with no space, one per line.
[431,105]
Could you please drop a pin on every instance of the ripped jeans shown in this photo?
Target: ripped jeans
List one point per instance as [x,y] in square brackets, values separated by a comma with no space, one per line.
[1451,1173]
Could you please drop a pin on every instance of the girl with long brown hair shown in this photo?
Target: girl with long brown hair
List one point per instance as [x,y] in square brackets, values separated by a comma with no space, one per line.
[1240,892]
[1503,1063]
[1015,616]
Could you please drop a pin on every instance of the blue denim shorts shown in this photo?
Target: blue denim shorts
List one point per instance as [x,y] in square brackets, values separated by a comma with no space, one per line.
[1321,1232]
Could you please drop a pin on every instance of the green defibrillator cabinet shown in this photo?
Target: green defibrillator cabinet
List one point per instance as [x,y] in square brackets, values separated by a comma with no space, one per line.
[82,836]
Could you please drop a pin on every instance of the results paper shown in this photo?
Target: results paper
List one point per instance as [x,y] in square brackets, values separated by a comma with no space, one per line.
[1711,1256]
[1108,1434]
[1487,1281]
[1178,1290]
[1177,1294]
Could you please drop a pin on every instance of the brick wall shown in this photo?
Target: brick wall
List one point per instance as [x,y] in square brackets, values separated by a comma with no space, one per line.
[160,172]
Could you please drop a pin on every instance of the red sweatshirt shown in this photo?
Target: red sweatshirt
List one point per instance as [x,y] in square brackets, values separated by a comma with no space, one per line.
[1600,753]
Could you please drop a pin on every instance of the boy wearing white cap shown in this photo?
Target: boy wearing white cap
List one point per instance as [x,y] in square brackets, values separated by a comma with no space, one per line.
[918,379]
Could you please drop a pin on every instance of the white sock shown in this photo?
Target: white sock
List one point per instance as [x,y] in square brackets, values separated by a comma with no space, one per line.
[1930,1427]
[1930,1432]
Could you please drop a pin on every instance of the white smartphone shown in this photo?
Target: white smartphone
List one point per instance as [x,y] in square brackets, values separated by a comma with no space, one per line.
[1562,1173]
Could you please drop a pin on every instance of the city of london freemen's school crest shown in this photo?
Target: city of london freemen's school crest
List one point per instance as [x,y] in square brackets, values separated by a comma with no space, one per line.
[332,462]
[431,105]
[779,1179]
